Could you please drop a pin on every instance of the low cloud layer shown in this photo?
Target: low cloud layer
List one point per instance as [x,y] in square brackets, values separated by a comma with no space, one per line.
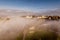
[10,29]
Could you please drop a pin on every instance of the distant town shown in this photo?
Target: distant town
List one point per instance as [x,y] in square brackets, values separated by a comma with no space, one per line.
[44,17]
[33,16]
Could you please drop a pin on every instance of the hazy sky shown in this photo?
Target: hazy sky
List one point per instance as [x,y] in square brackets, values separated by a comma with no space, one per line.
[30,5]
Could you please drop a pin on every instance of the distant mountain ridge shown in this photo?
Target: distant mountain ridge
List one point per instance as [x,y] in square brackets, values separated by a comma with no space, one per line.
[52,12]
[9,12]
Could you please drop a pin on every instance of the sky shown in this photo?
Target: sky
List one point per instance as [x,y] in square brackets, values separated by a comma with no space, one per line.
[30,5]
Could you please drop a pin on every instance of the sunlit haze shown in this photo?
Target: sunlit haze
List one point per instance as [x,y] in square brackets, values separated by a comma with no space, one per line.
[29,19]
